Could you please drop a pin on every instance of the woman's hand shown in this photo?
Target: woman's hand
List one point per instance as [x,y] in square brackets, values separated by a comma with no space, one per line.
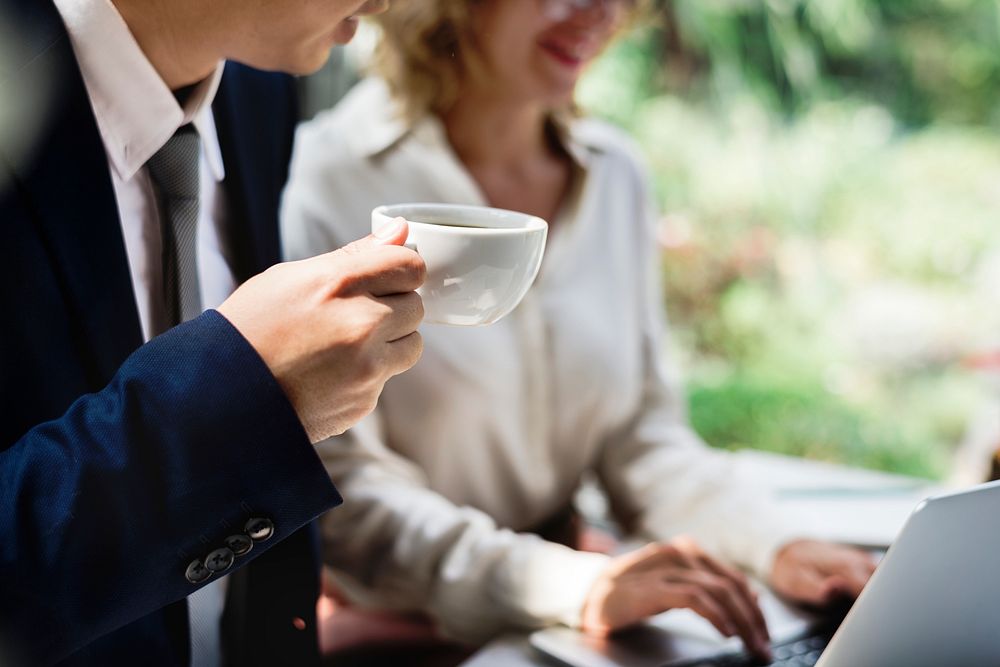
[818,573]
[675,575]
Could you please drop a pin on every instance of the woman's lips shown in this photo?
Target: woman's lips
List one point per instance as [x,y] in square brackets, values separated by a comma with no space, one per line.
[566,54]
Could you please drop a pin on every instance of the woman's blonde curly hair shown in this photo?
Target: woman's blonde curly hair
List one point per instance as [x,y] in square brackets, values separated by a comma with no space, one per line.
[428,47]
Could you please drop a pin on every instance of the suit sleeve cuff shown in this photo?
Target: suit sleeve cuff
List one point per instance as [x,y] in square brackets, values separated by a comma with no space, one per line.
[243,431]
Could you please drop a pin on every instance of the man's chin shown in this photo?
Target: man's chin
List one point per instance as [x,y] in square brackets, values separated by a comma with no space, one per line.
[306,63]
[309,56]
[345,30]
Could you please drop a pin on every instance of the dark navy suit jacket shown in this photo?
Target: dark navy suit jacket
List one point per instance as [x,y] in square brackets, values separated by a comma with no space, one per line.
[121,462]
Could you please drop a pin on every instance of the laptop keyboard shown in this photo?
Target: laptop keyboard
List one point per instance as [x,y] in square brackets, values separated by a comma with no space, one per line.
[803,652]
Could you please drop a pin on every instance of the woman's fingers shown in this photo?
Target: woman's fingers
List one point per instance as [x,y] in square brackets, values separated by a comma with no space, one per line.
[808,585]
[678,574]
[742,585]
[737,603]
[692,597]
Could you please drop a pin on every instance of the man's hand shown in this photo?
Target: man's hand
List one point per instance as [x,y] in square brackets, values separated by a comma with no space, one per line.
[674,575]
[818,573]
[332,329]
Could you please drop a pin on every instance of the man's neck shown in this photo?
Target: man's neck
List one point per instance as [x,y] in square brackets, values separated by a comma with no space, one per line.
[176,42]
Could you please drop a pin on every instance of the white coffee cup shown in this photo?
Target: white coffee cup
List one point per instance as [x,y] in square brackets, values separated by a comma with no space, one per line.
[480,261]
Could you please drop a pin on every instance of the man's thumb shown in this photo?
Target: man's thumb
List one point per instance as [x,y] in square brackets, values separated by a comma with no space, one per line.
[393,232]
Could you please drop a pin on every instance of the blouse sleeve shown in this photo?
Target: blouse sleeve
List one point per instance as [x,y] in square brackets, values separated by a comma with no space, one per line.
[397,544]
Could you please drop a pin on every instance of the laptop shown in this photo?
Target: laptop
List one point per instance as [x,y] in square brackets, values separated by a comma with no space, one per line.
[934,600]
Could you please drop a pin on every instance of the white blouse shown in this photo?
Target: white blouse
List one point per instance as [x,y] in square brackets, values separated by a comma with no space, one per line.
[492,431]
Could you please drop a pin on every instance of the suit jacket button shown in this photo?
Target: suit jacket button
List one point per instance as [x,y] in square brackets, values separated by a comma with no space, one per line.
[219,560]
[259,529]
[239,544]
[197,572]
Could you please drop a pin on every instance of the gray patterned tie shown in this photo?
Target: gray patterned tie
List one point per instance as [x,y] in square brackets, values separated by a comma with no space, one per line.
[175,173]
[176,177]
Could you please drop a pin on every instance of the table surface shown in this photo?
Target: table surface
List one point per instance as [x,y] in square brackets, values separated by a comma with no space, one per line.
[837,503]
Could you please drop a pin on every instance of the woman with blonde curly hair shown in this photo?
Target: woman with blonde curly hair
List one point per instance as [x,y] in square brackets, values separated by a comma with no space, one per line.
[459,487]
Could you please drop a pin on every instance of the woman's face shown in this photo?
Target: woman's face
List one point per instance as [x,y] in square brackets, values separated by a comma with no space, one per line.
[535,50]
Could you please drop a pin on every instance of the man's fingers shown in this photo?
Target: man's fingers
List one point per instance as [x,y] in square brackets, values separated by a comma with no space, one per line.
[404,271]
[377,264]
[378,270]
[404,352]
[406,313]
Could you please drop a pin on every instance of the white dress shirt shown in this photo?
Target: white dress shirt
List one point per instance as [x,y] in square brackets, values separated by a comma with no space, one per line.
[136,115]
[492,431]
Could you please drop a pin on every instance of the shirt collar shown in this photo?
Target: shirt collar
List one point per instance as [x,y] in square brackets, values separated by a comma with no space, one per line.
[136,112]
[380,122]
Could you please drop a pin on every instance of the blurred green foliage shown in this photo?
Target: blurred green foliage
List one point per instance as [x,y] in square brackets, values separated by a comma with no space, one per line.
[830,176]
[926,61]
